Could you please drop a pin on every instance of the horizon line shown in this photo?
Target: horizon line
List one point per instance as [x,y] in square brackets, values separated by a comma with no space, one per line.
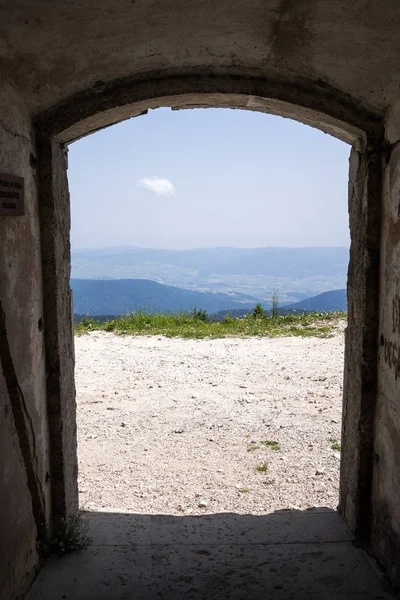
[133,247]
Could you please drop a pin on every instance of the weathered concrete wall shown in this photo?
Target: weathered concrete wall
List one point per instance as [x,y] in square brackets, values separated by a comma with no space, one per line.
[24,469]
[59,340]
[386,481]
[360,370]
[348,46]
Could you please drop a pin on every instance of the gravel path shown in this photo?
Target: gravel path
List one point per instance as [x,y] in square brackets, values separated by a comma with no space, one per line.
[175,426]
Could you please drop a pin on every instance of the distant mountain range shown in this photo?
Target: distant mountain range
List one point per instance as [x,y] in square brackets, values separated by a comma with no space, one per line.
[121,296]
[297,273]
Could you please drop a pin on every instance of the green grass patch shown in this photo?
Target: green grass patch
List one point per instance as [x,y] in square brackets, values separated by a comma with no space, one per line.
[195,325]
[271,444]
[335,444]
[262,468]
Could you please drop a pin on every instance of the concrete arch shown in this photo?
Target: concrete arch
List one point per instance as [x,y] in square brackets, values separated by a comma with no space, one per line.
[316,105]
[88,112]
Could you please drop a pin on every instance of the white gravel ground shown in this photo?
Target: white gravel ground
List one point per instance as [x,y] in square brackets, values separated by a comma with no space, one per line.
[174,426]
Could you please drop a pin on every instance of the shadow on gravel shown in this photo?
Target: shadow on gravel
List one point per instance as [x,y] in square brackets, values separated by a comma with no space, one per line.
[284,555]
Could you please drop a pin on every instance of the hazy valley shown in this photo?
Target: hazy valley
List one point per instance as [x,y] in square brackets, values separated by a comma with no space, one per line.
[113,281]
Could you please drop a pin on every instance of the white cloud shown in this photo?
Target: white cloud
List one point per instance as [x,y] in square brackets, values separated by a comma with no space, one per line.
[161,187]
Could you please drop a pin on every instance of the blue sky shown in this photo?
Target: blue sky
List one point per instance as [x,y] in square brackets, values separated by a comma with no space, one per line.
[214,177]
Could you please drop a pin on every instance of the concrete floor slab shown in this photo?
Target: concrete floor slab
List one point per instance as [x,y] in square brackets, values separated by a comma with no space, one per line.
[286,526]
[285,555]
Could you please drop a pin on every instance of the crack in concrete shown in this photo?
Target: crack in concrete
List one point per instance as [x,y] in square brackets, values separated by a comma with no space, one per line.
[13,133]
[24,428]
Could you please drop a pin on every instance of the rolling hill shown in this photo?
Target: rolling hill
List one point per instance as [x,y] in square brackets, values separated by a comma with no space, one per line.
[334,300]
[121,296]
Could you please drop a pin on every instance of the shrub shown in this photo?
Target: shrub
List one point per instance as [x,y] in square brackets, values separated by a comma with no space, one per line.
[71,535]
[87,322]
[200,315]
[258,312]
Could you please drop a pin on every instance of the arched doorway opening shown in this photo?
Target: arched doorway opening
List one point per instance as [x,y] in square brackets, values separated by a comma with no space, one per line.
[239,177]
[88,113]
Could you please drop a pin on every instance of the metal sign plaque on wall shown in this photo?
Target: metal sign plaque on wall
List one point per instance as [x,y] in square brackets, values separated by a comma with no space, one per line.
[12,195]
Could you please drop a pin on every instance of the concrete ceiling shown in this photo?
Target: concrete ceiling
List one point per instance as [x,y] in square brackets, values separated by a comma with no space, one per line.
[56,48]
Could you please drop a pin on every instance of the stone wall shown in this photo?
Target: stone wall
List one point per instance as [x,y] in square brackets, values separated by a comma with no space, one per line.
[57,310]
[386,480]
[360,368]
[24,448]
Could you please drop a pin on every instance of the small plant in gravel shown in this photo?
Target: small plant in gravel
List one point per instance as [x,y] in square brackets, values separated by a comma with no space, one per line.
[334,444]
[271,444]
[244,490]
[252,448]
[71,536]
[262,468]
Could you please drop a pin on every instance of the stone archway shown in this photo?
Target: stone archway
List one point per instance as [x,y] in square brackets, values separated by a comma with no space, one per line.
[317,106]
